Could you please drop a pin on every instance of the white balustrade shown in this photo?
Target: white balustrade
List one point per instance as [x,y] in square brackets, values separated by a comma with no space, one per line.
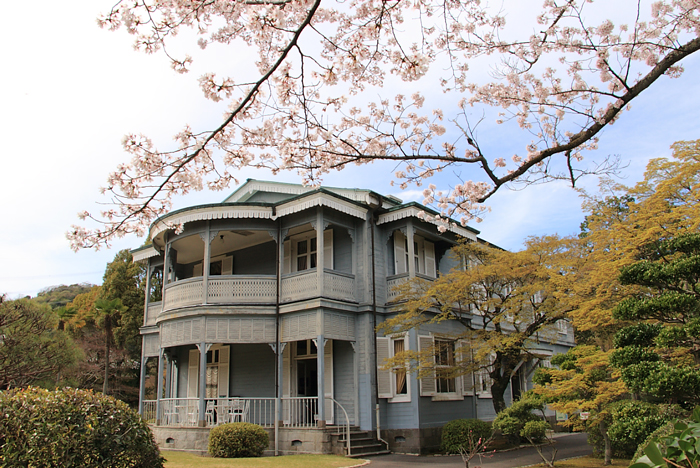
[149,411]
[300,411]
[392,285]
[257,289]
[179,412]
[242,289]
[297,286]
[184,293]
[297,412]
[154,308]
[339,286]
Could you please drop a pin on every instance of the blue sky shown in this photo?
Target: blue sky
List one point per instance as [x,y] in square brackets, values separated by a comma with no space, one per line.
[69,91]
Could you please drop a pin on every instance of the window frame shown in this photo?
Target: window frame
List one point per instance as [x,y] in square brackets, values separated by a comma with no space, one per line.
[398,397]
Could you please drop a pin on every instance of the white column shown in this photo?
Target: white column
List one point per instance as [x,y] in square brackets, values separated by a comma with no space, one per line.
[159,394]
[411,251]
[203,348]
[319,249]
[320,374]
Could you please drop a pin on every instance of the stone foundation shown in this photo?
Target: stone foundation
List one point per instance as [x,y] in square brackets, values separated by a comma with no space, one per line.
[413,441]
[291,440]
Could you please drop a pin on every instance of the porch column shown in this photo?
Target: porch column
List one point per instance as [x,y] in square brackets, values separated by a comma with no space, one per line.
[319,250]
[142,380]
[203,348]
[207,238]
[168,374]
[159,393]
[147,295]
[166,266]
[411,251]
[320,359]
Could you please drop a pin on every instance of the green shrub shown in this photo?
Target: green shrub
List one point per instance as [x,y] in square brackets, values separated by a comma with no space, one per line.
[461,433]
[72,428]
[632,422]
[238,439]
[512,420]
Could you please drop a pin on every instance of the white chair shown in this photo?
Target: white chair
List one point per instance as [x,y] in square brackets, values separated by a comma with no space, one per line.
[209,413]
[239,410]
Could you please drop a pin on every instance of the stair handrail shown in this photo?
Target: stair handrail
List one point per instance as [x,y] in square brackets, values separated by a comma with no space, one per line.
[347,425]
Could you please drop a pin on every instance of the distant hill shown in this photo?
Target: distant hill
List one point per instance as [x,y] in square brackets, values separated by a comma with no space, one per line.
[58,296]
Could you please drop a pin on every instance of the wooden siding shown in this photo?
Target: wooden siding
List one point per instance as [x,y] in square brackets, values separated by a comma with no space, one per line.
[256,260]
[343,380]
[252,371]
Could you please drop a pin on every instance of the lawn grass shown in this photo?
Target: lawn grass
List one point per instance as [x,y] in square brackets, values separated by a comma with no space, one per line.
[189,460]
[587,462]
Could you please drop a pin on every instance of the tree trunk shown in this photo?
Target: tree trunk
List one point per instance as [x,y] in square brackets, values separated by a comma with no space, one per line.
[108,334]
[498,389]
[608,447]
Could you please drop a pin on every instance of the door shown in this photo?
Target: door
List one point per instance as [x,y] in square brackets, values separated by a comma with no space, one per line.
[307,386]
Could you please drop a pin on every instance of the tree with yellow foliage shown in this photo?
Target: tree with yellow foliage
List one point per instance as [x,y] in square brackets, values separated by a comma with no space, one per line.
[505,301]
[584,386]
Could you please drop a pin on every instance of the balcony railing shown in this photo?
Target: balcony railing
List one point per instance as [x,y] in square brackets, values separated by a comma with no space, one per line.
[154,308]
[257,289]
[301,412]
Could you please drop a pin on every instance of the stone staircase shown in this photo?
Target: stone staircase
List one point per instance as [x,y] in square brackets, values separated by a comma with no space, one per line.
[362,443]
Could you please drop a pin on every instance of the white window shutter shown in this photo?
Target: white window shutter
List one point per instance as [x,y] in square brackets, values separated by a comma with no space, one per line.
[328,381]
[399,253]
[429,251]
[286,382]
[328,249]
[227,265]
[467,379]
[193,374]
[224,365]
[287,259]
[419,254]
[383,375]
[428,386]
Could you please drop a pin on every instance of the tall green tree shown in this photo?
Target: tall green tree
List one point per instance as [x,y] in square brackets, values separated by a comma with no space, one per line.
[32,350]
[125,280]
[504,302]
[659,356]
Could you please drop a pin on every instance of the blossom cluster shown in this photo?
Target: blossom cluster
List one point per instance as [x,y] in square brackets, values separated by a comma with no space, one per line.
[562,85]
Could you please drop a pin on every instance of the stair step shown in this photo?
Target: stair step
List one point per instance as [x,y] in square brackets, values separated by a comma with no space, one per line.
[357,455]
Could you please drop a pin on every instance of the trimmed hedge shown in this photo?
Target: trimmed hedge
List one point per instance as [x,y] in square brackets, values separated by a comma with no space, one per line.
[72,428]
[237,440]
[457,434]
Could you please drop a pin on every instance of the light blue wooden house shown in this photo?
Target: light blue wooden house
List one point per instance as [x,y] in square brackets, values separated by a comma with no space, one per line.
[263,308]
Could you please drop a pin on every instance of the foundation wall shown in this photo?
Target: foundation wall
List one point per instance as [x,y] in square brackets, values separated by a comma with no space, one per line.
[291,441]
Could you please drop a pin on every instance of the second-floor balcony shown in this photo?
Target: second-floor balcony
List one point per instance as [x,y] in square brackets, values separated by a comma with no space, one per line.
[253,289]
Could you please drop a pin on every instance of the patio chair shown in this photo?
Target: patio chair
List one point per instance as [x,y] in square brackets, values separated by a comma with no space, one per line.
[209,413]
[239,410]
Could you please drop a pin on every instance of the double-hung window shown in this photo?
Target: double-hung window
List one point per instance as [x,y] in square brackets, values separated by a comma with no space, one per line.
[393,383]
[306,254]
[444,366]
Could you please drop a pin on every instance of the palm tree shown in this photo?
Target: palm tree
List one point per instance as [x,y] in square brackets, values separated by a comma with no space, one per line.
[107,315]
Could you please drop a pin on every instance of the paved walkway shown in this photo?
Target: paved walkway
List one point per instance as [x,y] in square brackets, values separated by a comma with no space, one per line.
[567,445]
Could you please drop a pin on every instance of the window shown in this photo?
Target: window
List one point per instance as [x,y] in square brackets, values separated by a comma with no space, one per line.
[447,381]
[393,383]
[423,255]
[306,254]
[399,380]
[444,366]
[301,251]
